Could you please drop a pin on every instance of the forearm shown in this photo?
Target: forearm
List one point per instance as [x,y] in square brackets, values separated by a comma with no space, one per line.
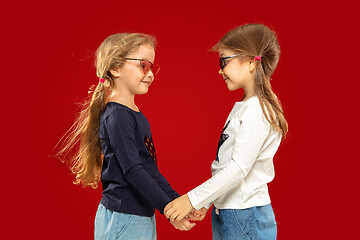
[223,181]
[166,187]
[147,187]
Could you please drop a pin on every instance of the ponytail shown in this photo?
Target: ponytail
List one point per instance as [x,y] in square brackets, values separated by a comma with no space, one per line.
[86,164]
[269,103]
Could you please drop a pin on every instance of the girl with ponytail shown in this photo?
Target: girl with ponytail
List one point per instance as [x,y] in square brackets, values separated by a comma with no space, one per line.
[243,165]
[113,143]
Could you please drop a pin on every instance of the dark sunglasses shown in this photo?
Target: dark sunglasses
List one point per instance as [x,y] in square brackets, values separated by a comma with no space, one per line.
[146,65]
[223,62]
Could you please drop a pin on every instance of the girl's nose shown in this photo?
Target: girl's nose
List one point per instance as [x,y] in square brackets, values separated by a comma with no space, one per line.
[221,72]
[150,73]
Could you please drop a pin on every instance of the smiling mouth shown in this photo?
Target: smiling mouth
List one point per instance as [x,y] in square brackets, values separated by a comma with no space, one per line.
[225,77]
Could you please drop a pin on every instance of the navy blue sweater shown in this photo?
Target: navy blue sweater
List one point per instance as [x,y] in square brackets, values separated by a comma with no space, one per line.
[130,177]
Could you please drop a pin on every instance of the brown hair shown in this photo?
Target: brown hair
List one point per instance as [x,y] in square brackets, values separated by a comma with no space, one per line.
[86,162]
[253,40]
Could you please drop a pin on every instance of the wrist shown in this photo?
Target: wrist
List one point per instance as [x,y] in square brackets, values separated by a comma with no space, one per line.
[188,199]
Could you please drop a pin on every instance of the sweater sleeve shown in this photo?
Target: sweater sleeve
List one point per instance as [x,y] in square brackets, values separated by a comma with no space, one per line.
[121,131]
[165,186]
[249,139]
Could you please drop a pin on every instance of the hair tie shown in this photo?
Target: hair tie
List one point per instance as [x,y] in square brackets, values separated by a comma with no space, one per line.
[101,80]
[257,58]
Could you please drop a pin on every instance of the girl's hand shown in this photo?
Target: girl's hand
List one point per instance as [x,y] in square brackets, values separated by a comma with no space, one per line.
[198,215]
[183,225]
[178,208]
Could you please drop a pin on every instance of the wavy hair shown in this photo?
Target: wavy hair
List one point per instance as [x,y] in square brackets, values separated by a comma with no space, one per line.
[83,136]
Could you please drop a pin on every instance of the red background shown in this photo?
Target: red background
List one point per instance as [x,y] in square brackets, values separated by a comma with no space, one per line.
[47,61]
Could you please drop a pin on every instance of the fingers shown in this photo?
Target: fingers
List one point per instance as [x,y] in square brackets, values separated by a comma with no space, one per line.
[191,216]
[177,216]
[169,212]
[200,214]
[166,209]
[178,208]
[188,225]
[183,225]
[203,210]
[194,215]
[173,214]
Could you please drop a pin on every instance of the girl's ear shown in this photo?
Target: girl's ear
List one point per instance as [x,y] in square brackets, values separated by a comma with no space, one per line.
[252,65]
[115,72]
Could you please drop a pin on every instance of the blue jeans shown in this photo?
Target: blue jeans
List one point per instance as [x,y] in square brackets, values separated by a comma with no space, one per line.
[113,225]
[255,223]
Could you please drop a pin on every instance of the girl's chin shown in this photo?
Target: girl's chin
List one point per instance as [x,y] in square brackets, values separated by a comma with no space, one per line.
[142,91]
[229,85]
[232,87]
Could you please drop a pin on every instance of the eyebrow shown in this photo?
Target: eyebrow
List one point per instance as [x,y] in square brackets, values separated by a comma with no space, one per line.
[147,59]
[142,59]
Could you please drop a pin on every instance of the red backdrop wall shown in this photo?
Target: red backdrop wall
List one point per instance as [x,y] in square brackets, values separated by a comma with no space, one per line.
[48,58]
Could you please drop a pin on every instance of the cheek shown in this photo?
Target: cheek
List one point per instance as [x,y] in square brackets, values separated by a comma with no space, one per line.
[226,71]
[134,76]
[230,72]
[238,72]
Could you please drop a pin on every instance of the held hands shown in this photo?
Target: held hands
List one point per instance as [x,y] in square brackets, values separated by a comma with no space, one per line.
[180,211]
[198,215]
[179,208]
[195,215]
[183,225]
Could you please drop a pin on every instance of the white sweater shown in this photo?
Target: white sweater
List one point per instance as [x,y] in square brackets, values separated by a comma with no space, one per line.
[244,164]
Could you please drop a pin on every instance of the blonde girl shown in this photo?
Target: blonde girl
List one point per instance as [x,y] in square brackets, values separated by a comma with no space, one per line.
[116,144]
[243,165]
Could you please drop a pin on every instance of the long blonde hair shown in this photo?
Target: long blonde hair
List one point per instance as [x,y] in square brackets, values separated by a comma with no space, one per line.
[253,40]
[83,136]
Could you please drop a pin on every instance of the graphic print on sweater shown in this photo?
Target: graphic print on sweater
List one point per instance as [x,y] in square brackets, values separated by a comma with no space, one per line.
[222,139]
[150,147]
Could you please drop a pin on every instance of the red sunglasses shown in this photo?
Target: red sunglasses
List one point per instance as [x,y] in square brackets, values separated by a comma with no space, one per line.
[146,65]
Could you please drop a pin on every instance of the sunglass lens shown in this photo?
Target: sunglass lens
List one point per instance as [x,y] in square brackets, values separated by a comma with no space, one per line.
[221,63]
[146,66]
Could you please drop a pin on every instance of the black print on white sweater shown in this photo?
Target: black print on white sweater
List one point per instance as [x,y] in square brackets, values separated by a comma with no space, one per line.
[222,139]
